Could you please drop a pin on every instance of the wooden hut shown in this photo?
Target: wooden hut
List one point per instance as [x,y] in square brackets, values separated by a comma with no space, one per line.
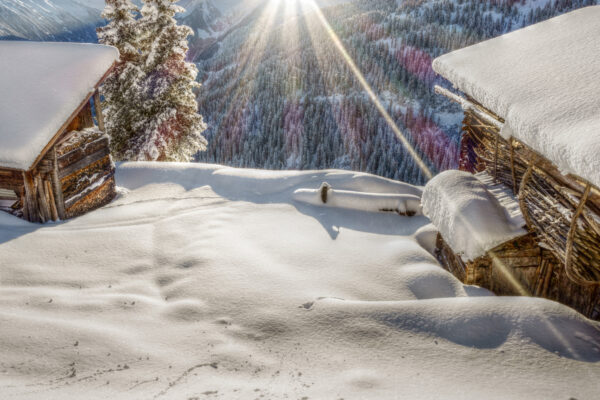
[54,161]
[532,123]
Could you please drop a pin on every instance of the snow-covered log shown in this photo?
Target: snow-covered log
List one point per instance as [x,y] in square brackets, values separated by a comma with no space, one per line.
[403,204]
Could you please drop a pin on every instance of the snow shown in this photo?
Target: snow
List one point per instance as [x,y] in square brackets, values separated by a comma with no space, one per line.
[505,197]
[204,282]
[426,237]
[471,217]
[350,199]
[42,85]
[544,81]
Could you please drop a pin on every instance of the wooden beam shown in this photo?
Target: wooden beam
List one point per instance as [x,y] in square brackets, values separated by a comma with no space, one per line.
[80,152]
[92,158]
[42,199]
[469,106]
[11,175]
[24,204]
[30,204]
[13,185]
[98,106]
[87,120]
[51,201]
[57,187]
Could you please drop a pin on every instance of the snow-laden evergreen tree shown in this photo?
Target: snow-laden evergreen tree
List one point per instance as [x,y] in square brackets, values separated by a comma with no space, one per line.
[122,88]
[169,128]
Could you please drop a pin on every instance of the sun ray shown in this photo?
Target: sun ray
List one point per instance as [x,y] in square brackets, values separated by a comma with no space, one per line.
[254,46]
[367,88]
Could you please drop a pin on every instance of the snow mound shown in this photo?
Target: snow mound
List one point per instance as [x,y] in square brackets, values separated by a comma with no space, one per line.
[544,81]
[427,237]
[404,204]
[42,85]
[201,281]
[469,217]
[479,322]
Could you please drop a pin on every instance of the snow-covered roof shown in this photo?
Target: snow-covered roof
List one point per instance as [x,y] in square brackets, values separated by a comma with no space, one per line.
[544,80]
[472,214]
[41,85]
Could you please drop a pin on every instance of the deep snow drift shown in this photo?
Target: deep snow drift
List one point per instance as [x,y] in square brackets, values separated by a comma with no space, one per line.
[204,282]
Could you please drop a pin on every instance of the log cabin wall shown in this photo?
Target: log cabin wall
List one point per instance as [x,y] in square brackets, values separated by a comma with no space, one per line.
[86,171]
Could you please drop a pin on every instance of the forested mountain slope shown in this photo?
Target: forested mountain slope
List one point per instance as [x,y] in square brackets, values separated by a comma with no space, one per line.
[279,94]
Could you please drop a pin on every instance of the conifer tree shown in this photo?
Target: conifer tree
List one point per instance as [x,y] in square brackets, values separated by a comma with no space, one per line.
[121,88]
[169,127]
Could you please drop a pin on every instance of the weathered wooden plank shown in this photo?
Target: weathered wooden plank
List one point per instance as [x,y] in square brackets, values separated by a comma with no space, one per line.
[57,187]
[45,166]
[80,152]
[24,204]
[11,177]
[11,184]
[518,253]
[30,198]
[521,262]
[84,162]
[42,199]
[85,116]
[98,185]
[79,139]
[51,201]
[98,106]
[77,182]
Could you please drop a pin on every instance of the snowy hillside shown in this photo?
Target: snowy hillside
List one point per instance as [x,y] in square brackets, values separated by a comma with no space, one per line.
[59,20]
[76,20]
[205,282]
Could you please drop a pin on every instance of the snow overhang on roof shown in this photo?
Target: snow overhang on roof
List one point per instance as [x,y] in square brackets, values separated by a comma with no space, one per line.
[41,85]
[544,81]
